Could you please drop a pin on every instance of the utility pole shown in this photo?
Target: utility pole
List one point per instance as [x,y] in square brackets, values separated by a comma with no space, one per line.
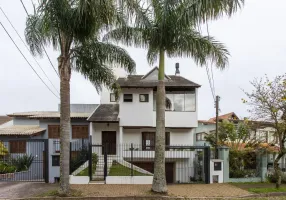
[216,124]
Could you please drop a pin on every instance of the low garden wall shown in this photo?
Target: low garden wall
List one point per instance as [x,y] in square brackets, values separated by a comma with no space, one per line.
[79,179]
[245,180]
[129,179]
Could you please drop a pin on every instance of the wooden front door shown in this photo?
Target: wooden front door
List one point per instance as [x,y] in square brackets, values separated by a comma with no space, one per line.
[109,142]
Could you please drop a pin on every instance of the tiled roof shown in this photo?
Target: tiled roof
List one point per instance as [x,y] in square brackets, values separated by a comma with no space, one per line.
[21,130]
[228,116]
[47,114]
[4,119]
[105,113]
[136,81]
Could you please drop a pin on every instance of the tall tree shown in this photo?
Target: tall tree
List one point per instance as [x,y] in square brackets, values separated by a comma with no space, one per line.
[73,28]
[268,103]
[168,27]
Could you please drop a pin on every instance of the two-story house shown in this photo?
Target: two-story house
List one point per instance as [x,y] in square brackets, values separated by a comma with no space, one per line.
[132,119]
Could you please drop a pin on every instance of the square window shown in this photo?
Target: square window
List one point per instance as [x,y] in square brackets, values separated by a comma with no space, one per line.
[55,160]
[217,166]
[144,97]
[112,97]
[128,98]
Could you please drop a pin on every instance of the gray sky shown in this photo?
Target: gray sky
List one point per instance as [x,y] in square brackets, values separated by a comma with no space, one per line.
[255,38]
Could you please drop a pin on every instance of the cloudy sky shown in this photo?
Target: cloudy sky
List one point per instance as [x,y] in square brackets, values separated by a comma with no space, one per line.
[255,36]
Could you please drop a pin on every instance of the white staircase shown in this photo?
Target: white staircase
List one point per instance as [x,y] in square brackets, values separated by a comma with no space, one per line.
[99,172]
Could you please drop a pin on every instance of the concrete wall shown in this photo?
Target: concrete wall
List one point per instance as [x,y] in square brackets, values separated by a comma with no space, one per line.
[25,121]
[136,113]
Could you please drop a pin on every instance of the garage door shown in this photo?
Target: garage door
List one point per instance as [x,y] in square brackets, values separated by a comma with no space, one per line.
[149,166]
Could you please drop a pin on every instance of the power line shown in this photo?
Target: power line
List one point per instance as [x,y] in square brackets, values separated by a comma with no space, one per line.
[26,58]
[24,7]
[210,82]
[27,48]
[41,43]
[211,78]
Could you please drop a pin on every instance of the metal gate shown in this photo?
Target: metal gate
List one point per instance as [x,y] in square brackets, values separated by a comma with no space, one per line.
[184,164]
[24,159]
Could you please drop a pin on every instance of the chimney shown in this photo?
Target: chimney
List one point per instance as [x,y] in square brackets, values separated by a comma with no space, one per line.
[177,72]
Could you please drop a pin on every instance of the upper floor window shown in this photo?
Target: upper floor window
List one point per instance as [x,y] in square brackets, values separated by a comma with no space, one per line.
[112,97]
[54,131]
[127,97]
[80,131]
[179,101]
[200,136]
[144,97]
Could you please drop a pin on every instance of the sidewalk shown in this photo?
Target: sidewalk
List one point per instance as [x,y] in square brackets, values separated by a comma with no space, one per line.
[179,190]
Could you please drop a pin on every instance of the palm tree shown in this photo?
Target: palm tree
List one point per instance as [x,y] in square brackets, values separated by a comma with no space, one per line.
[168,27]
[73,28]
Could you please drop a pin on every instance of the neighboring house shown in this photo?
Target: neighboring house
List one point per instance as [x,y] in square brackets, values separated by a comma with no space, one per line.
[44,125]
[262,131]
[132,119]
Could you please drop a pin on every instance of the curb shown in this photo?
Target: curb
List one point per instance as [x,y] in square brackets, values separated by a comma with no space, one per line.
[272,194]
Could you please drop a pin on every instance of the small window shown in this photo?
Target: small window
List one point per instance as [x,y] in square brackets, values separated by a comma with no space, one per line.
[200,136]
[55,161]
[217,166]
[144,97]
[112,97]
[128,98]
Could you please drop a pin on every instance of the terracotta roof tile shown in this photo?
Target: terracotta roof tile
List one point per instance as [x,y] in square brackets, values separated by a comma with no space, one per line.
[21,130]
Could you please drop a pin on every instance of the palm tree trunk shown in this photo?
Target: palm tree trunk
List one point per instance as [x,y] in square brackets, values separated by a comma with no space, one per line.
[159,180]
[65,124]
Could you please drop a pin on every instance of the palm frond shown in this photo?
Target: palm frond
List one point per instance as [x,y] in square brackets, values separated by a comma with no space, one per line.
[152,55]
[38,32]
[136,13]
[96,59]
[201,48]
[128,36]
[198,11]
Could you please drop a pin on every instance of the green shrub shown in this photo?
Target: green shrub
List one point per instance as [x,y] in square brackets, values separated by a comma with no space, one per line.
[22,163]
[6,168]
[272,178]
[242,163]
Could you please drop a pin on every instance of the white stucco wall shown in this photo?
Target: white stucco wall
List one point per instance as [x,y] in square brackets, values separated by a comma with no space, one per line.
[136,113]
[23,121]
[105,93]
[132,136]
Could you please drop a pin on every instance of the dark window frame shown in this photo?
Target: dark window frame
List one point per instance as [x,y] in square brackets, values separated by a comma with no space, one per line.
[202,136]
[151,147]
[56,162]
[128,100]
[146,97]
[114,97]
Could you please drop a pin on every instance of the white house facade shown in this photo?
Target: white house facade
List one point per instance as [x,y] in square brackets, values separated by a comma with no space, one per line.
[132,120]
